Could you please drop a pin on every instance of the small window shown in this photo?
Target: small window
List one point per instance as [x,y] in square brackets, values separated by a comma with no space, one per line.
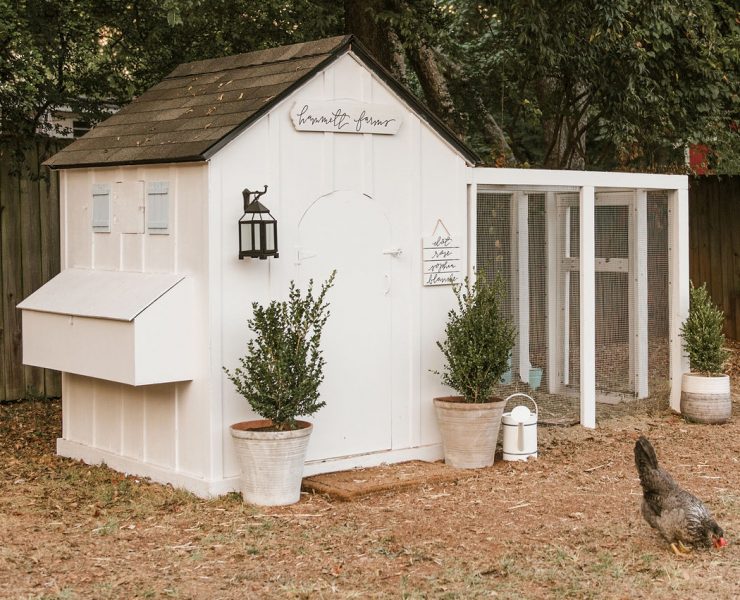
[80,128]
[158,207]
[101,208]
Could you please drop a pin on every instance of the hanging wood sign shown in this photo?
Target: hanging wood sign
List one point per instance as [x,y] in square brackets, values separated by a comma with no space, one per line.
[442,257]
[345,116]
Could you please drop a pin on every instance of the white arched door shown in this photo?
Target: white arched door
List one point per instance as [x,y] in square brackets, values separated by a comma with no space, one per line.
[351,233]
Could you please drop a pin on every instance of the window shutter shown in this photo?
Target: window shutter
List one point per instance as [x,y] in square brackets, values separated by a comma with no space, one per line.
[158,207]
[101,207]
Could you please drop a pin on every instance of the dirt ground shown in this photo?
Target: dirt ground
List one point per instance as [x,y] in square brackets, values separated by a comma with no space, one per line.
[564,526]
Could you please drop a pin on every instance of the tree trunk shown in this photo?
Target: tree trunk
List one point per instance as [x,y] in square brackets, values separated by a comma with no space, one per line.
[434,85]
[563,125]
[391,51]
[500,154]
[375,34]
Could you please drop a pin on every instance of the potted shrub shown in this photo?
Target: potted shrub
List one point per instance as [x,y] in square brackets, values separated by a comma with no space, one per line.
[477,348]
[280,377]
[705,391]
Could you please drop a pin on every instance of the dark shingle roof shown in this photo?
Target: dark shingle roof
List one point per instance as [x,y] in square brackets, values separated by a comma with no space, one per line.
[202,105]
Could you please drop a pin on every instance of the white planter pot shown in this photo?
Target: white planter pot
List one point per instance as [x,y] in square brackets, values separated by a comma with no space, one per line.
[271,462]
[706,399]
[469,431]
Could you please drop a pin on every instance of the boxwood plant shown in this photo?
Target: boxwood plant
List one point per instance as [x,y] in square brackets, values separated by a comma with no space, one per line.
[282,370]
[478,340]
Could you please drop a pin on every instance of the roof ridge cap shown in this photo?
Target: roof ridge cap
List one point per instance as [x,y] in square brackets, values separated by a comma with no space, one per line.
[345,43]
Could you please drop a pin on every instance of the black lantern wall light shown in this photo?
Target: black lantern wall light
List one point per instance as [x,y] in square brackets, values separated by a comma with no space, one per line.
[257,228]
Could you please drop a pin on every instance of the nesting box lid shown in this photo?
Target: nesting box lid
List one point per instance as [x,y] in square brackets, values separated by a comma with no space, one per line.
[116,295]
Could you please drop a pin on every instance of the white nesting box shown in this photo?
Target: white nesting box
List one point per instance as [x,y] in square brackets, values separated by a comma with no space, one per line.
[153,300]
[111,325]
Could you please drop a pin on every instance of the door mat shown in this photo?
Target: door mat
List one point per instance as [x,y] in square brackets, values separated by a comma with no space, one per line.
[357,483]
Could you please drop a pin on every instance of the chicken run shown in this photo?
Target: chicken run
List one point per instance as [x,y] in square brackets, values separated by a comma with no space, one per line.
[530,238]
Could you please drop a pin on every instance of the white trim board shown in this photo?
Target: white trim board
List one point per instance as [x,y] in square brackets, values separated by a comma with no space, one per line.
[429,453]
[218,487]
[136,468]
[598,179]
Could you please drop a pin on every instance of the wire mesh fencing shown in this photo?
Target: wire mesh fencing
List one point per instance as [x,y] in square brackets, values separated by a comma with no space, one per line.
[530,239]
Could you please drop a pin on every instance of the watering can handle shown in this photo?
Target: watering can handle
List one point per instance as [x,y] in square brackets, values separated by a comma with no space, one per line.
[536,408]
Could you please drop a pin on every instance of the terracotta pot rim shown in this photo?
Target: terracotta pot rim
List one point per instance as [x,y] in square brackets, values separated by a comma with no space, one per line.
[459,402]
[704,375]
[250,429]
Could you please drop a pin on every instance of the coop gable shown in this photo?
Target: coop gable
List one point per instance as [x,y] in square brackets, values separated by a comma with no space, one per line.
[203,105]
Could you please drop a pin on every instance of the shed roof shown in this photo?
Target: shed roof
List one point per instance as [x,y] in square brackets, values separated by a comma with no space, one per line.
[116,295]
[201,106]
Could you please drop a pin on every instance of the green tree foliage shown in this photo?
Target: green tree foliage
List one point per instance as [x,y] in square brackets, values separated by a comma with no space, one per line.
[478,340]
[89,54]
[282,370]
[623,83]
[702,334]
[559,83]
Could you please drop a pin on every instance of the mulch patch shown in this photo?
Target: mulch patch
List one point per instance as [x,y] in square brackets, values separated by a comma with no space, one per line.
[359,483]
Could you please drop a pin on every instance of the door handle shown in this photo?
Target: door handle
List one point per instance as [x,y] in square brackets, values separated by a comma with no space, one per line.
[393,251]
[303,254]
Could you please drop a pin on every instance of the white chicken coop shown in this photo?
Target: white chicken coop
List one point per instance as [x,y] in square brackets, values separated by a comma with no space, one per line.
[153,298]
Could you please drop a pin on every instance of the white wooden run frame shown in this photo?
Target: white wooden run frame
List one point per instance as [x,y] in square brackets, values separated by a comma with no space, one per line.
[588,185]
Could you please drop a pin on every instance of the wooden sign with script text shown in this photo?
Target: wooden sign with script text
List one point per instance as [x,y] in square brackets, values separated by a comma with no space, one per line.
[345,116]
[441,258]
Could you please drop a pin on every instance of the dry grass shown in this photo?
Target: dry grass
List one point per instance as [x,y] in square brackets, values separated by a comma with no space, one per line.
[567,525]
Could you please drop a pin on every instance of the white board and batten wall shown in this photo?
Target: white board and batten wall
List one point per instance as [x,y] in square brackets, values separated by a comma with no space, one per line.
[359,203]
[150,430]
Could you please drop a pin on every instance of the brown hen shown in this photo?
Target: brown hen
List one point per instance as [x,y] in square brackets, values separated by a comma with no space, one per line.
[680,517]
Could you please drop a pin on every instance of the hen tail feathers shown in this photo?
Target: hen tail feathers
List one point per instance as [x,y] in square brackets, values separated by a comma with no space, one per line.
[645,454]
[652,477]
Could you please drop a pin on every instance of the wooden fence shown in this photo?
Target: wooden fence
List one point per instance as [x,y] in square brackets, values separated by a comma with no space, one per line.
[714,235]
[29,257]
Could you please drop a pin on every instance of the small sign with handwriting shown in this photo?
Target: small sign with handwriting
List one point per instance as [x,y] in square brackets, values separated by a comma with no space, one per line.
[442,257]
[345,116]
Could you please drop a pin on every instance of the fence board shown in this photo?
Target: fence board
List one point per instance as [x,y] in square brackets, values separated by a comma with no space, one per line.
[4,364]
[12,292]
[29,257]
[50,246]
[31,252]
[714,204]
[735,220]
